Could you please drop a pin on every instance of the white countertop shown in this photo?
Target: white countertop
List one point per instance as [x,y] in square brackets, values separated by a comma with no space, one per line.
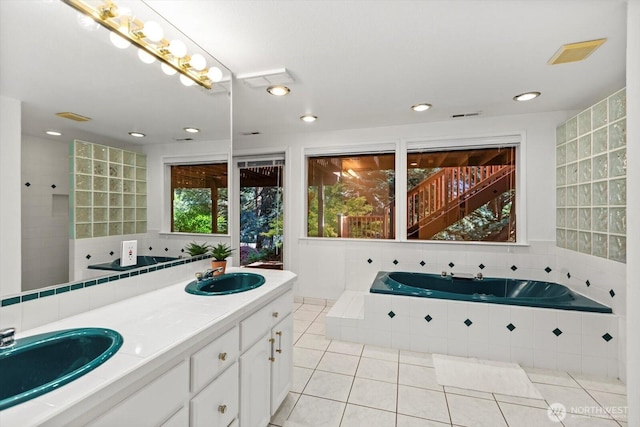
[155,327]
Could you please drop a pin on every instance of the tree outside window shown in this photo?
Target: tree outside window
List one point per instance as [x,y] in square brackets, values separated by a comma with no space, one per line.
[351,196]
[199,198]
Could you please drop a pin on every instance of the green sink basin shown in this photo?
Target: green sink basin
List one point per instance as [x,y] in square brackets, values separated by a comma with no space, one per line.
[41,363]
[224,284]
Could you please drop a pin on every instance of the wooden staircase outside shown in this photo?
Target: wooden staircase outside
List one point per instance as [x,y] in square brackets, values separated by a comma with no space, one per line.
[449,195]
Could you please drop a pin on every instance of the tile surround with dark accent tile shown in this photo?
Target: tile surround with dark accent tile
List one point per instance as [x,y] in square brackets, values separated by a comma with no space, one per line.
[404,392]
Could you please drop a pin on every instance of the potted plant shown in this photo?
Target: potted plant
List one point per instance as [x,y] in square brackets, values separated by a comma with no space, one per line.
[195,249]
[220,253]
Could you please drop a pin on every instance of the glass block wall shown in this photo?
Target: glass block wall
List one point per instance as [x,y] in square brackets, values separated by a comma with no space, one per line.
[591,165]
[108,191]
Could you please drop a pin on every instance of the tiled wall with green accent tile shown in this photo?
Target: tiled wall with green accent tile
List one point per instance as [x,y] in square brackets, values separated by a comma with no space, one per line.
[109,191]
[591,167]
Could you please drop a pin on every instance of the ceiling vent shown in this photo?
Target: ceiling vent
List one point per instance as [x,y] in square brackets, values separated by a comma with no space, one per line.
[459,116]
[575,51]
[73,116]
[255,132]
[267,78]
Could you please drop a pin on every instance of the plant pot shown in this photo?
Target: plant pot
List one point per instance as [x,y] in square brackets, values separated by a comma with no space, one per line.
[217,264]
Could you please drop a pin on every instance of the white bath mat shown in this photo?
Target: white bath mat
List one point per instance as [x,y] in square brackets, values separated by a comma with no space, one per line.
[484,375]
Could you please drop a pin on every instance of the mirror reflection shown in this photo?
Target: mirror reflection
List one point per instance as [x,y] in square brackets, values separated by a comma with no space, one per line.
[62,62]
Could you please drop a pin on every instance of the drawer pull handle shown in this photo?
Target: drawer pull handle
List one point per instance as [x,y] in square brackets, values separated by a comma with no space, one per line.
[222,356]
[272,341]
[222,409]
[275,314]
[279,334]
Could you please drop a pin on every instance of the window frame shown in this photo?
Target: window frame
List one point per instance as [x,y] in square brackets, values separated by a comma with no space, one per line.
[167,162]
[345,150]
[401,148]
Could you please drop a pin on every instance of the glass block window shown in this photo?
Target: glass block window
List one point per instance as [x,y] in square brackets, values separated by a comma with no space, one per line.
[108,189]
[591,167]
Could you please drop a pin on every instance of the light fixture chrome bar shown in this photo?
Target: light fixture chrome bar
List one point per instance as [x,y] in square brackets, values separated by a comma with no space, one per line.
[105,16]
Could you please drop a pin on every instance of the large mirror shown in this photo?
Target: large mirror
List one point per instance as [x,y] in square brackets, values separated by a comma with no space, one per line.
[53,60]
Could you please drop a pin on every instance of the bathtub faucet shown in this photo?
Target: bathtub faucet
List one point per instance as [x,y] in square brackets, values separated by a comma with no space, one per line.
[463,276]
[7,337]
[209,273]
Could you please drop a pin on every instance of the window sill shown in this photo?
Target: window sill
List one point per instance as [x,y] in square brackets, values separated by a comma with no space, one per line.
[428,242]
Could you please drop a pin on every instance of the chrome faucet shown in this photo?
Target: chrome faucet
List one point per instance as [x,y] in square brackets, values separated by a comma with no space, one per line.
[7,337]
[208,273]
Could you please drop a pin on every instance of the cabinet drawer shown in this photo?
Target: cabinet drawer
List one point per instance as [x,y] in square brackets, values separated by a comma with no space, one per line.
[281,307]
[259,323]
[151,405]
[217,405]
[179,419]
[213,359]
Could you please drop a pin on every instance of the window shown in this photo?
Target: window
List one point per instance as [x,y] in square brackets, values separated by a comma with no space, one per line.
[465,195]
[351,196]
[199,198]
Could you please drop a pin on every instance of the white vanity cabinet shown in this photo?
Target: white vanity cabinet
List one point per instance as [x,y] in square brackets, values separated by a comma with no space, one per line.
[266,361]
[153,404]
[215,404]
[234,371]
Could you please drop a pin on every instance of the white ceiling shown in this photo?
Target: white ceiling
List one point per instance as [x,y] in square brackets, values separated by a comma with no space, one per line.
[364,63]
[356,63]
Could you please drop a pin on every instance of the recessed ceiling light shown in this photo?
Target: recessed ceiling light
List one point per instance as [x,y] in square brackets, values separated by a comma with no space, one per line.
[278,90]
[413,164]
[137,134]
[527,96]
[420,107]
[192,130]
[309,118]
[53,133]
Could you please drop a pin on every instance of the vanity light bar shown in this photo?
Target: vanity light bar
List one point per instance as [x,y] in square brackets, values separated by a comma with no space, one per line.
[132,30]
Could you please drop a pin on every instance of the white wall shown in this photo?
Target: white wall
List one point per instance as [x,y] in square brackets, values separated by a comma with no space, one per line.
[633,208]
[326,267]
[10,185]
[45,212]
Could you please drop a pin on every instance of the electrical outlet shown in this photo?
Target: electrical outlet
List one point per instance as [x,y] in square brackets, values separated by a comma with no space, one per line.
[129,253]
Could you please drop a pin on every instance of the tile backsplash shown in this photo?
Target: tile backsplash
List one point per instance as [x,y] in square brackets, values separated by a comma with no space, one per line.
[591,189]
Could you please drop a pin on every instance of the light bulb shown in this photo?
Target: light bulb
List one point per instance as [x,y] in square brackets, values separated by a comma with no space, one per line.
[177,48]
[146,57]
[420,107]
[153,31]
[87,22]
[186,80]
[118,41]
[198,62]
[169,71]
[215,74]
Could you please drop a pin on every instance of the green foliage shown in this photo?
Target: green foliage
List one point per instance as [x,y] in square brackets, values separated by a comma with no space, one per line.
[221,251]
[493,221]
[261,222]
[192,210]
[194,248]
[351,197]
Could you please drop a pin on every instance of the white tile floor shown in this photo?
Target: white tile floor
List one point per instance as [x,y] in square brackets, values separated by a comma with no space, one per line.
[341,384]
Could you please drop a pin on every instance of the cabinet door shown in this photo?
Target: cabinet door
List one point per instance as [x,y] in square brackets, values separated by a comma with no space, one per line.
[217,404]
[255,384]
[282,366]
